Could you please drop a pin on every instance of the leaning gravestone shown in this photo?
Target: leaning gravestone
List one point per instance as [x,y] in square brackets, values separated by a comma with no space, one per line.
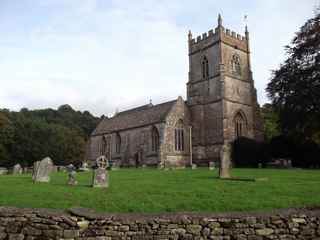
[42,170]
[225,158]
[72,175]
[100,174]
[17,169]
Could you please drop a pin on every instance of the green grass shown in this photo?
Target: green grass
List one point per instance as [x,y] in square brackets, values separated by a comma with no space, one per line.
[151,190]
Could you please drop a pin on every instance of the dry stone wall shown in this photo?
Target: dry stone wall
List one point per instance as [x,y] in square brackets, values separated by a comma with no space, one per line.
[31,224]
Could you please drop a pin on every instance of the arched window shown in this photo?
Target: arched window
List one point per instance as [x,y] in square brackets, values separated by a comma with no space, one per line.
[239,125]
[205,68]
[154,139]
[179,136]
[103,146]
[235,64]
[118,143]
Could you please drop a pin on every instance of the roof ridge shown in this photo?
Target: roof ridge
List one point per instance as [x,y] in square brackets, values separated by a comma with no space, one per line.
[141,108]
[135,117]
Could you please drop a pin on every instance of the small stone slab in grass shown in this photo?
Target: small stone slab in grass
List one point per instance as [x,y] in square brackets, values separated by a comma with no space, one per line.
[246,179]
[264,179]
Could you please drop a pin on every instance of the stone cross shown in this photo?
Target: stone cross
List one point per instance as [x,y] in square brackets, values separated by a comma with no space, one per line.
[72,175]
[225,161]
[42,170]
[100,174]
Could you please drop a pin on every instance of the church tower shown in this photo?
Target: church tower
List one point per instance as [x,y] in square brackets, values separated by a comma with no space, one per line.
[220,92]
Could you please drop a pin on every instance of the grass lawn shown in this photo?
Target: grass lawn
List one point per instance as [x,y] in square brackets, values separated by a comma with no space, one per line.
[151,190]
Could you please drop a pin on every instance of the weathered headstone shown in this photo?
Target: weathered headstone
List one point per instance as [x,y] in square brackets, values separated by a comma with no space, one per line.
[160,166]
[225,161]
[84,167]
[212,165]
[17,169]
[3,171]
[42,170]
[72,175]
[115,166]
[100,174]
[259,165]
[193,166]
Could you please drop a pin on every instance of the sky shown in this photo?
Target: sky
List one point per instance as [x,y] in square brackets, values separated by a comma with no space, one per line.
[110,55]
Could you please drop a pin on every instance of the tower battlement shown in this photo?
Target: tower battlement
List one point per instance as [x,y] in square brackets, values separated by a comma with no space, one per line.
[214,33]
[219,34]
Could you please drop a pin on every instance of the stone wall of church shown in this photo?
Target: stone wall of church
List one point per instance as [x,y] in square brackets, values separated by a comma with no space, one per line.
[135,147]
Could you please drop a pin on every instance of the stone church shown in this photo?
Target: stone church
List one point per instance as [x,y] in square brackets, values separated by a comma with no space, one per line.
[221,105]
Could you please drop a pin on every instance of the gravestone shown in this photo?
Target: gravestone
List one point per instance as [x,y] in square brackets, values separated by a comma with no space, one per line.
[84,167]
[115,166]
[42,170]
[100,174]
[194,166]
[225,161]
[160,166]
[212,165]
[17,169]
[3,171]
[72,175]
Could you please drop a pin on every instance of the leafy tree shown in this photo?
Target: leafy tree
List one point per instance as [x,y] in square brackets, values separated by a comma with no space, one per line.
[271,121]
[30,135]
[6,138]
[295,87]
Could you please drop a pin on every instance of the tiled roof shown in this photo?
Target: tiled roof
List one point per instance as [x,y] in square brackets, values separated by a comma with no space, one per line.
[136,117]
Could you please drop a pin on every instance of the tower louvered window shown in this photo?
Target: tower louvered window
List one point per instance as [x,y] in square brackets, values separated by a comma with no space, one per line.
[205,68]
[235,65]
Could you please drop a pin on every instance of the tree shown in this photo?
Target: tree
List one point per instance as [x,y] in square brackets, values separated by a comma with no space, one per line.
[270,121]
[6,138]
[30,135]
[295,87]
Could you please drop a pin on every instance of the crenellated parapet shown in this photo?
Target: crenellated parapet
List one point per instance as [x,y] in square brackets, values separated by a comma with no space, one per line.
[220,33]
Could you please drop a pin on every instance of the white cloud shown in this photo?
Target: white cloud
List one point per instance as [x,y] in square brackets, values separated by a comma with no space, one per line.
[103,55]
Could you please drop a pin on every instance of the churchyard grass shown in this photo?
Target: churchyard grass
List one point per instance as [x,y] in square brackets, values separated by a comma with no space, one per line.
[151,190]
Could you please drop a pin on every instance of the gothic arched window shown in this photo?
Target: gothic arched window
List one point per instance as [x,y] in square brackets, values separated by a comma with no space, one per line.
[205,68]
[154,139]
[239,125]
[118,143]
[235,64]
[103,146]
[179,136]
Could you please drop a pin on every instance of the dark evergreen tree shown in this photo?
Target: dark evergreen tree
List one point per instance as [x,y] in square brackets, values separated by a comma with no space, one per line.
[295,87]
